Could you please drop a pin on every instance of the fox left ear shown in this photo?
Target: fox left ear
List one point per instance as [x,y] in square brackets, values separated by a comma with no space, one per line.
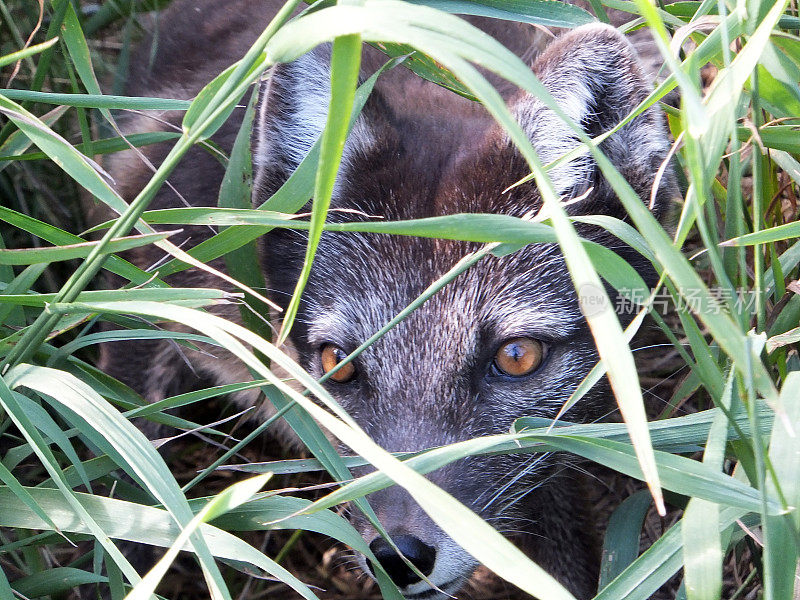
[291,115]
[595,76]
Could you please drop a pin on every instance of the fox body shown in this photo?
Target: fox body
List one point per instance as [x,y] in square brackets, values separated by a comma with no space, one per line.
[418,150]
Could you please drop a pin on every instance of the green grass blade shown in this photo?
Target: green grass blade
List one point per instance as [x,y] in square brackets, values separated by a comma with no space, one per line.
[57,236]
[677,434]
[118,438]
[192,296]
[26,52]
[202,102]
[58,580]
[46,424]
[11,482]
[657,564]
[228,499]
[683,434]
[196,396]
[96,100]
[702,546]
[6,591]
[621,541]
[28,256]
[136,523]
[12,408]
[535,12]
[123,335]
[106,145]
[10,314]
[243,264]
[78,166]
[18,142]
[788,231]
[781,533]
[345,67]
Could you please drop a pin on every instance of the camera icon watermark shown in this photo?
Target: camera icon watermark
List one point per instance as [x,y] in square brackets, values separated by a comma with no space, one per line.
[592,299]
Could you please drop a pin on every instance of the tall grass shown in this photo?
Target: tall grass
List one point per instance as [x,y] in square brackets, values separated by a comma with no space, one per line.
[65,427]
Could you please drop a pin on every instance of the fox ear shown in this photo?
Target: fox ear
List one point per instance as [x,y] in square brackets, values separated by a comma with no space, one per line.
[594,75]
[291,115]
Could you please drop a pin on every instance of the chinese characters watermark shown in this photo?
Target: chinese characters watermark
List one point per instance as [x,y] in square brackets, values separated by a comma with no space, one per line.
[713,300]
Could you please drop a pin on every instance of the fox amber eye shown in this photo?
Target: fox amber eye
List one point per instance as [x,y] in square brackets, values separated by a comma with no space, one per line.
[519,356]
[331,356]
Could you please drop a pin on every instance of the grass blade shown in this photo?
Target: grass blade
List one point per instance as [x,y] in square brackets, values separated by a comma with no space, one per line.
[781,532]
[136,523]
[345,67]
[28,256]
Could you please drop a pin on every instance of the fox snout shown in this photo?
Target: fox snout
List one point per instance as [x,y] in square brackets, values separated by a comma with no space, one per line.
[444,569]
[413,539]
[415,551]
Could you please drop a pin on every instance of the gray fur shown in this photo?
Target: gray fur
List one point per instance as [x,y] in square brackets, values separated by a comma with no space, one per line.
[420,151]
[302,88]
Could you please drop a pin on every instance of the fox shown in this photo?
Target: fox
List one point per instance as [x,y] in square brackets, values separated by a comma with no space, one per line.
[505,339]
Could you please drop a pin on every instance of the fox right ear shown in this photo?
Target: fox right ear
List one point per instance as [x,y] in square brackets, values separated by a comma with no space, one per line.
[595,76]
[291,115]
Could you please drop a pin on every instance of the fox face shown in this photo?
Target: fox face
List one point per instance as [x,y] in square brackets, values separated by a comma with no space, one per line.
[503,340]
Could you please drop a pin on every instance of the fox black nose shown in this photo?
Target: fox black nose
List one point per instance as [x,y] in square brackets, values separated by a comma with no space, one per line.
[418,553]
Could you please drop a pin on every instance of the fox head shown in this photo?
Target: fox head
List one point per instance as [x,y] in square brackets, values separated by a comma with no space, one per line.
[506,338]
